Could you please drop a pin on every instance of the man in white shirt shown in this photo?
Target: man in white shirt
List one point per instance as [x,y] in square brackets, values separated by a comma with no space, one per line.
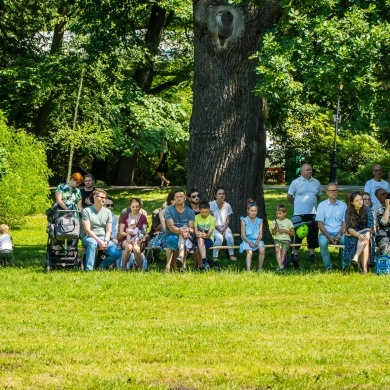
[331,222]
[372,185]
[304,193]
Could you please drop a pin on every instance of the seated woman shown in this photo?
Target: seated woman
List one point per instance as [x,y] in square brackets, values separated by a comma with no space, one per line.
[68,196]
[359,228]
[382,237]
[222,211]
[141,223]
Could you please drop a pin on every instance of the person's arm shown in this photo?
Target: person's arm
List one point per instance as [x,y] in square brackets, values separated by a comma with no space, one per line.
[160,158]
[290,199]
[324,232]
[225,225]
[385,217]
[90,233]
[122,232]
[107,236]
[79,205]
[274,227]
[171,227]
[243,231]
[162,220]
[60,201]
[260,236]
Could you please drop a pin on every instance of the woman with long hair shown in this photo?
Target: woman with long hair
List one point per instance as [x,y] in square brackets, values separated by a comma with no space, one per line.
[359,229]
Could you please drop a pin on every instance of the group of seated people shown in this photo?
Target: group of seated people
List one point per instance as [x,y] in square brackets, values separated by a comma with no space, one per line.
[186,225]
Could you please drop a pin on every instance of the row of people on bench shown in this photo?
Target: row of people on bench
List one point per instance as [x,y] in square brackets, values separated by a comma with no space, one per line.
[330,219]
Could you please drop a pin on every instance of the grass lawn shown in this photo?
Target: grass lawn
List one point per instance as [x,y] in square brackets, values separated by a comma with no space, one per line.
[226,330]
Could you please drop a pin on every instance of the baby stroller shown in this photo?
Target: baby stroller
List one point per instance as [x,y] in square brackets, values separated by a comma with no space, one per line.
[63,232]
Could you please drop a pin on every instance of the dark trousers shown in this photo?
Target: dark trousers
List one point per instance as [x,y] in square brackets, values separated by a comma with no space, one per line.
[312,237]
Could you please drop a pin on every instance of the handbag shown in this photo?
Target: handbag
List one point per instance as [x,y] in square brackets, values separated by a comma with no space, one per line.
[51,211]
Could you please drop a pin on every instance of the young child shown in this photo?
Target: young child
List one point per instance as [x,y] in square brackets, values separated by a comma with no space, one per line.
[132,232]
[6,243]
[282,229]
[204,232]
[252,233]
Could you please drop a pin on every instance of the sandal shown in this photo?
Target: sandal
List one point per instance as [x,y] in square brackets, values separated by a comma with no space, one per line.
[233,258]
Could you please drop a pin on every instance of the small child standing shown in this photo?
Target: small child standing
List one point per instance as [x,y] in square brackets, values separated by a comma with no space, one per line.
[252,233]
[282,229]
[204,232]
[6,244]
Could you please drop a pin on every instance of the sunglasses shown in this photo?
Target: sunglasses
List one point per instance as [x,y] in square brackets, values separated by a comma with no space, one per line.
[110,205]
[251,204]
[195,196]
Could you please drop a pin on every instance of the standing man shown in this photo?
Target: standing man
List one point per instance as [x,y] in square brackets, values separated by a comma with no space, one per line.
[331,222]
[97,224]
[179,224]
[304,193]
[372,185]
[87,191]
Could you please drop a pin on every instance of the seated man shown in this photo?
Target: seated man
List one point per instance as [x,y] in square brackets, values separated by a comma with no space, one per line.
[97,224]
[179,222]
[331,222]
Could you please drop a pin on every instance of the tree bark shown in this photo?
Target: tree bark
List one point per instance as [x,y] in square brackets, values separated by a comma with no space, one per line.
[227,128]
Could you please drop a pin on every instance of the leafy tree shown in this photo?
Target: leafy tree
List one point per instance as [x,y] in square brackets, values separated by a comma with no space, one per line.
[23,175]
[315,47]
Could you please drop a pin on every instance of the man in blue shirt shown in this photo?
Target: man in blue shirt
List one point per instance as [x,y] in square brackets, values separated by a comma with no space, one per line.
[331,222]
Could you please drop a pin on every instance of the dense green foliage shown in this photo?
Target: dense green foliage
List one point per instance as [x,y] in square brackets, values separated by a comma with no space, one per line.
[23,175]
[314,48]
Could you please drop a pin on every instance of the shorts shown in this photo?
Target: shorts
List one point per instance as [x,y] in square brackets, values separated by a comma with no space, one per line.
[283,244]
[208,242]
[172,242]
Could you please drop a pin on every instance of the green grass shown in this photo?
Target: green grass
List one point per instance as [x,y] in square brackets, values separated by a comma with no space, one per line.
[222,330]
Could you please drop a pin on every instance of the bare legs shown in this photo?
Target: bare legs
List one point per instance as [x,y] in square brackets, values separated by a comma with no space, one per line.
[249,254]
[363,252]
[163,179]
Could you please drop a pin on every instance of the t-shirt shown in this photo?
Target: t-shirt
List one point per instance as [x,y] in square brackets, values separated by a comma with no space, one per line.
[305,194]
[70,195]
[205,224]
[220,214]
[283,224]
[372,185]
[179,219]
[97,220]
[5,242]
[86,195]
[139,222]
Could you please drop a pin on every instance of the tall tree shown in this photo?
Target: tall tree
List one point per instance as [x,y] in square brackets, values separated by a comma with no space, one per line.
[227,129]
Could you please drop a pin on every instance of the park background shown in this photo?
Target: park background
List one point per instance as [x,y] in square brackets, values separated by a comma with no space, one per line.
[96,85]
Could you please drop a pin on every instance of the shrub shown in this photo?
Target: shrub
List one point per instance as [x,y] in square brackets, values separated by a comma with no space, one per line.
[23,175]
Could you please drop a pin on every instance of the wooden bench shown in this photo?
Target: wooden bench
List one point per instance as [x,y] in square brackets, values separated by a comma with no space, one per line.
[337,246]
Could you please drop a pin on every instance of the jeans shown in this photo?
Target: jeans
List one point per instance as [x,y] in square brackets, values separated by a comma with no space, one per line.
[324,249]
[113,253]
[218,239]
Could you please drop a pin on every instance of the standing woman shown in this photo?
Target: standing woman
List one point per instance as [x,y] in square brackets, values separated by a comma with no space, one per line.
[162,167]
[360,224]
[141,222]
[68,196]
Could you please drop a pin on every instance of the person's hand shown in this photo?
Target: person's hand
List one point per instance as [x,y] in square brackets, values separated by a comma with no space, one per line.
[252,244]
[362,237]
[88,201]
[103,244]
[387,203]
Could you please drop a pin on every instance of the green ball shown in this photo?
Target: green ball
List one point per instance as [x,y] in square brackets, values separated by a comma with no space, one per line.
[302,231]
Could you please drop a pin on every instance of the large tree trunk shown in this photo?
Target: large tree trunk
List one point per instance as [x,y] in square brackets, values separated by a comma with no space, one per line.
[227,129]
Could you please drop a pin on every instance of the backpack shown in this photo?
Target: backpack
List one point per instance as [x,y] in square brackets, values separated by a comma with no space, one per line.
[382,265]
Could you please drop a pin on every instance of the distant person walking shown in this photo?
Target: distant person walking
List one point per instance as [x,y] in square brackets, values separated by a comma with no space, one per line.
[162,167]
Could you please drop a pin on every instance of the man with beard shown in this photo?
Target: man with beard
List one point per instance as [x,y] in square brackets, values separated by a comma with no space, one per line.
[87,191]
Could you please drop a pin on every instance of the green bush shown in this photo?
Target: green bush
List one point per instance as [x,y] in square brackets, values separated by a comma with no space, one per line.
[23,175]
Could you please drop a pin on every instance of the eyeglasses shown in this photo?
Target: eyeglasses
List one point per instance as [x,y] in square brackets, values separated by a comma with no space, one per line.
[101,197]
[110,205]
[195,196]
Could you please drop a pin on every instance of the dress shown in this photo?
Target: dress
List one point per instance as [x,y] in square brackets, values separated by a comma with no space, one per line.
[70,195]
[252,230]
[382,236]
[163,166]
[350,242]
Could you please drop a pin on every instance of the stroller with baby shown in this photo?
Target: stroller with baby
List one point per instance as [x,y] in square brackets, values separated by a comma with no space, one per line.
[63,233]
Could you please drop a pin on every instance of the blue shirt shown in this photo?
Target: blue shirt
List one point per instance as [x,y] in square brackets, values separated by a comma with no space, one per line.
[332,215]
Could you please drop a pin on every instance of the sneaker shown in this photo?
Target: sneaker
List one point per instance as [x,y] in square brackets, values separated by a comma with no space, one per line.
[260,270]
[179,261]
[295,261]
[354,262]
[215,258]
[329,269]
[312,259]
[280,269]
[206,265]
